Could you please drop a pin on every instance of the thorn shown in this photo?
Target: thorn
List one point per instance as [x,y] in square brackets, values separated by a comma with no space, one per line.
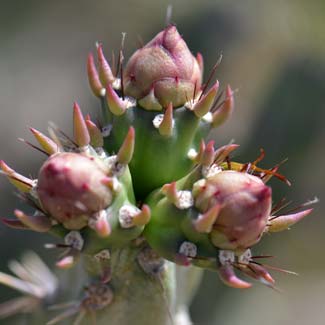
[94,82]
[228,276]
[224,112]
[223,152]
[39,223]
[205,222]
[96,137]
[125,153]
[208,154]
[115,104]
[166,126]
[80,130]
[46,143]
[280,223]
[170,192]
[33,146]
[214,69]
[105,72]
[112,183]
[14,223]
[21,182]
[143,217]
[204,105]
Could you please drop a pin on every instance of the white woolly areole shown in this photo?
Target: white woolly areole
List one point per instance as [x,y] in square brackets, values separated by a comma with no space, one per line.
[188,249]
[192,154]
[102,92]
[211,170]
[74,239]
[157,120]
[208,117]
[116,168]
[106,130]
[226,257]
[103,255]
[126,214]
[185,200]
[246,257]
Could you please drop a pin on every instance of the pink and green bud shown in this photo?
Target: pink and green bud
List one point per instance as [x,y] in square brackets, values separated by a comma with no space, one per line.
[245,208]
[70,188]
[164,70]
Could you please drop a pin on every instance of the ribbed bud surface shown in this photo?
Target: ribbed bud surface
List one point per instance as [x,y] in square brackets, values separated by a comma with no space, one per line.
[70,188]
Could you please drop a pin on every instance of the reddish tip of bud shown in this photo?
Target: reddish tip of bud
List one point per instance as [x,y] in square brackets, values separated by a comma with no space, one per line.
[208,154]
[226,109]
[46,143]
[94,82]
[280,223]
[143,217]
[80,130]
[166,126]
[105,72]
[228,276]
[204,222]
[96,137]
[125,153]
[204,105]
[115,103]
[39,223]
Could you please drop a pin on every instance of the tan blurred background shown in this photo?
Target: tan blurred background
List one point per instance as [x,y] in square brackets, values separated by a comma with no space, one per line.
[273,52]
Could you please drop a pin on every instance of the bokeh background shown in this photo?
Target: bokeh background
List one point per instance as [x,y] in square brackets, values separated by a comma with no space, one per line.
[273,53]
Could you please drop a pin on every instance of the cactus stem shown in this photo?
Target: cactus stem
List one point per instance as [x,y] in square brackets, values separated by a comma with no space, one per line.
[166,126]
[280,223]
[203,106]
[39,223]
[143,217]
[46,143]
[115,104]
[96,137]
[125,153]
[204,222]
[228,276]
[105,72]
[225,110]
[93,77]
[21,182]
[80,130]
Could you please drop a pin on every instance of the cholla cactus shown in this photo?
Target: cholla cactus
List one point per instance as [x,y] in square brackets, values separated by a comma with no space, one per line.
[141,192]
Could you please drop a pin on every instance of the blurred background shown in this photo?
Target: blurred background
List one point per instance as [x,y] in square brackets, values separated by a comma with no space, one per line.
[273,53]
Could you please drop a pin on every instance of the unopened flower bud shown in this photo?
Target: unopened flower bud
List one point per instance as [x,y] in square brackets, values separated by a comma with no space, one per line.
[245,207]
[165,66]
[70,188]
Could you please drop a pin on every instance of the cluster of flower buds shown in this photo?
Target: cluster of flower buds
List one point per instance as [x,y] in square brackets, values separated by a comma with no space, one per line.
[214,215]
[160,94]
[146,174]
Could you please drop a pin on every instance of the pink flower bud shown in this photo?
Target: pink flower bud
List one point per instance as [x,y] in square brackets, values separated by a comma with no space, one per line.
[70,188]
[245,207]
[166,66]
